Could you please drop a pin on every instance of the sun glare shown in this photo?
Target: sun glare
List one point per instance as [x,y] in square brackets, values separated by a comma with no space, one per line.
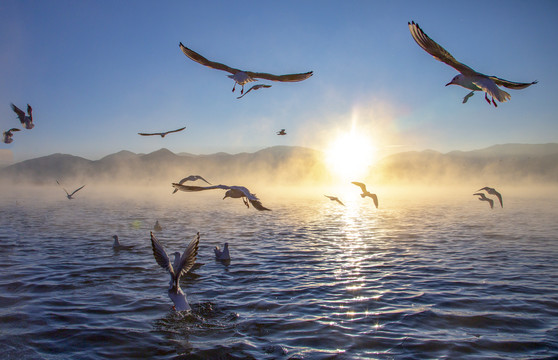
[350,156]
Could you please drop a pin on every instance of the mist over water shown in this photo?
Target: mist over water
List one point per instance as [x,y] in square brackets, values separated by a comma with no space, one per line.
[421,277]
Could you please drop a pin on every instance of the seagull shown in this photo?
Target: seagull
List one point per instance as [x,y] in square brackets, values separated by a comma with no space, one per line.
[190,178]
[282,132]
[162,134]
[7,135]
[468,78]
[26,121]
[222,254]
[484,198]
[334,198]
[234,192]
[157,226]
[366,192]
[255,87]
[493,191]
[69,196]
[242,77]
[117,246]
[180,266]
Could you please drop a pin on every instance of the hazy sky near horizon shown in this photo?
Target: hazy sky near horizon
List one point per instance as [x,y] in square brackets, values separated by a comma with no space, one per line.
[99,72]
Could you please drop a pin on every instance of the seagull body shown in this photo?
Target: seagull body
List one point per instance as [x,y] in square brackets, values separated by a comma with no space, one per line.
[334,198]
[254,87]
[117,246]
[162,134]
[234,192]
[26,120]
[468,78]
[190,178]
[157,226]
[493,191]
[180,266]
[241,77]
[482,197]
[222,254]
[7,136]
[70,196]
[366,192]
[282,132]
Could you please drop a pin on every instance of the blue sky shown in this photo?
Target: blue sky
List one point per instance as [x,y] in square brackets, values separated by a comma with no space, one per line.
[99,72]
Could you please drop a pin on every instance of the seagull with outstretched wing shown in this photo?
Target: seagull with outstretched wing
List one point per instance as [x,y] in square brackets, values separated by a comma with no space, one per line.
[241,77]
[483,197]
[366,192]
[190,178]
[25,120]
[7,136]
[234,192]
[334,198]
[468,78]
[282,132]
[68,195]
[493,191]
[162,134]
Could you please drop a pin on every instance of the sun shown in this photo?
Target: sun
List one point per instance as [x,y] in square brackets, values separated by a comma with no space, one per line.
[350,155]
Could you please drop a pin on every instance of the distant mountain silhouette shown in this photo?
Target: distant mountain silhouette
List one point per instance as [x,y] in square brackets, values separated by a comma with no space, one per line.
[291,165]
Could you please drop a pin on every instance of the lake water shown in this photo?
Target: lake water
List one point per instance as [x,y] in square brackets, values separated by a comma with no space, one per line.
[436,278]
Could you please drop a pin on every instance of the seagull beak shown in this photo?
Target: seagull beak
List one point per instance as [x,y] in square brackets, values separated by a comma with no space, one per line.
[450,83]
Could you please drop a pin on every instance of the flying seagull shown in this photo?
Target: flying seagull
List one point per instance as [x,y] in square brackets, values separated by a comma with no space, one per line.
[493,191]
[26,121]
[117,246]
[234,192]
[484,198]
[69,196]
[190,178]
[334,198]
[255,87]
[366,192]
[180,266]
[281,132]
[162,134]
[242,77]
[468,78]
[7,136]
[222,254]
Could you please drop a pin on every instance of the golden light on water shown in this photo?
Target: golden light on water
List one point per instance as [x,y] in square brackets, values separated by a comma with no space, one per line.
[350,155]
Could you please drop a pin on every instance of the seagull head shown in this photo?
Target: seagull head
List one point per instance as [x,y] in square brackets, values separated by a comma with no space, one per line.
[227,194]
[457,80]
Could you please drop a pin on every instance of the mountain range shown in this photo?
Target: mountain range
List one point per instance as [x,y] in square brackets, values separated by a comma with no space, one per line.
[290,165]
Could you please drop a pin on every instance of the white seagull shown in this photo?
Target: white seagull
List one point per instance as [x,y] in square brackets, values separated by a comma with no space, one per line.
[484,198]
[366,192]
[190,178]
[117,246]
[162,134]
[222,254]
[255,87]
[7,136]
[469,78]
[493,191]
[234,192]
[242,77]
[26,121]
[69,196]
[180,266]
[334,198]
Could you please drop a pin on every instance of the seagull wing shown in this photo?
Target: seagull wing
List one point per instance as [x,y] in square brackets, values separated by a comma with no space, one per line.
[20,113]
[201,60]
[438,52]
[76,190]
[191,188]
[188,258]
[491,202]
[339,201]
[160,255]
[511,84]
[150,134]
[361,185]
[201,178]
[490,87]
[258,205]
[282,78]
[499,196]
[177,130]
[375,199]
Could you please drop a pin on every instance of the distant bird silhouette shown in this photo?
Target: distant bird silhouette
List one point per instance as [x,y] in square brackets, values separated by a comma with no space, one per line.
[242,77]
[26,121]
[162,134]
[366,192]
[190,178]
[117,246]
[157,226]
[180,266]
[469,78]
[70,196]
[482,197]
[255,87]
[493,191]
[222,254]
[282,132]
[334,198]
[7,136]
[234,192]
